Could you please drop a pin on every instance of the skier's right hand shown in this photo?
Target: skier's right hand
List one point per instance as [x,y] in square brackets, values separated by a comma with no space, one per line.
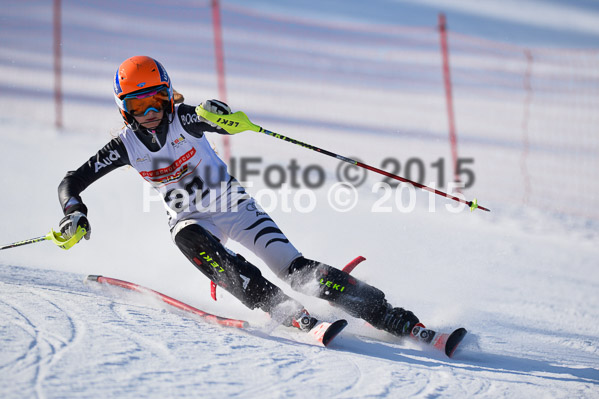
[69,224]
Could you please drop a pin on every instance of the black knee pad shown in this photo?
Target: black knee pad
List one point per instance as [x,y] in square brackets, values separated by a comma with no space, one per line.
[203,250]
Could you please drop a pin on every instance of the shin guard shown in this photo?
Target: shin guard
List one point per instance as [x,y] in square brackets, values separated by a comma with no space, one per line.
[339,288]
[229,270]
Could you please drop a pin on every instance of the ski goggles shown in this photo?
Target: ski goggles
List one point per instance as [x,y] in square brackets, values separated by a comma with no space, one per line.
[142,102]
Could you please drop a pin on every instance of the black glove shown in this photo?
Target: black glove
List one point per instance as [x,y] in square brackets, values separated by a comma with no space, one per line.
[69,224]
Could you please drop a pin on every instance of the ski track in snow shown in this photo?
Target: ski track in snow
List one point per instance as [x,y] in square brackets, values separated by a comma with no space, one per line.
[50,332]
[63,338]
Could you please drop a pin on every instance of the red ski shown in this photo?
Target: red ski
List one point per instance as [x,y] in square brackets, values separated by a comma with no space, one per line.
[445,342]
[324,332]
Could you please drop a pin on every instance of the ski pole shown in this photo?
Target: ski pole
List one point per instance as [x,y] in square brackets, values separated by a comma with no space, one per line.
[53,236]
[239,122]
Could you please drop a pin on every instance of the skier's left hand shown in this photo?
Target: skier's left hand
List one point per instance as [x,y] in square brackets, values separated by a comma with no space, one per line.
[216,107]
[69,223]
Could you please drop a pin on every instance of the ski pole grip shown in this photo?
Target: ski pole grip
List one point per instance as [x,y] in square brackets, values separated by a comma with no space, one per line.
[64,243]
[236,122]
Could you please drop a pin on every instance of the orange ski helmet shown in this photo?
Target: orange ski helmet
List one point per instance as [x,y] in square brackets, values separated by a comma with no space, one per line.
[138,75]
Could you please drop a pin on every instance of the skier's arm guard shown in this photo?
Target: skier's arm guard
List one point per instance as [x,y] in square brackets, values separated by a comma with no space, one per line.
[109,158]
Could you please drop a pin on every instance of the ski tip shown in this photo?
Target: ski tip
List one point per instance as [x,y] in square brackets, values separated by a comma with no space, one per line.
[93,277]
[453,341]
[333,330]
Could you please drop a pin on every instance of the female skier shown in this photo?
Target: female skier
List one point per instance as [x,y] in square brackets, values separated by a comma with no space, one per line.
[165,141]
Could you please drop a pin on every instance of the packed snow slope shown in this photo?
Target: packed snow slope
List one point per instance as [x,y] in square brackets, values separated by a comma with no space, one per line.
[61,338]
[524,284]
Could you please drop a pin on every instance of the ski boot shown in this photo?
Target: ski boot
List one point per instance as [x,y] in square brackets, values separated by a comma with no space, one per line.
[397,321]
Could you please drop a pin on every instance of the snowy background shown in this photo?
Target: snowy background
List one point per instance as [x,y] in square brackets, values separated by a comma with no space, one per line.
[359,78]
